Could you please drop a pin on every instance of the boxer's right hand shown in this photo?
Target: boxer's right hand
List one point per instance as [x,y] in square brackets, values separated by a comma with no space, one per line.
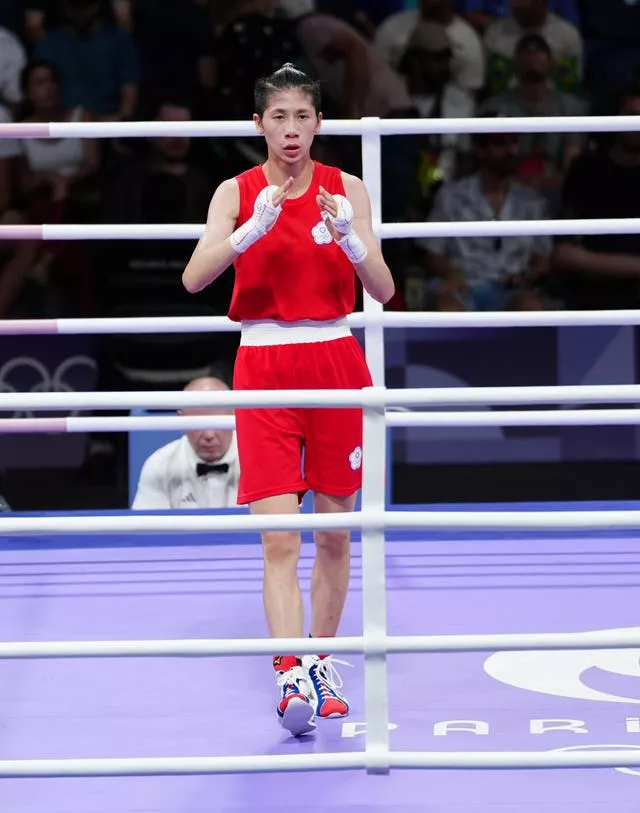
[266,210]
[282,192]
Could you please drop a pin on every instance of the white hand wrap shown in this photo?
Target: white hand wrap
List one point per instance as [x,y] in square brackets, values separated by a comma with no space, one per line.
[343,221]
[264,216]
[351,244]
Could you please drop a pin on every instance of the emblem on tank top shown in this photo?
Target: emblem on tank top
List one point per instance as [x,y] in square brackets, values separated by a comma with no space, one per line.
[321,234]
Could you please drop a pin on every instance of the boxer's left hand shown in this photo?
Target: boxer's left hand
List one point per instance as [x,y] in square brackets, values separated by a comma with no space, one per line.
[336,212]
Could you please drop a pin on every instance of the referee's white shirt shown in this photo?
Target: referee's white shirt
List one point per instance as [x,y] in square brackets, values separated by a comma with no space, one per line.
[169,479]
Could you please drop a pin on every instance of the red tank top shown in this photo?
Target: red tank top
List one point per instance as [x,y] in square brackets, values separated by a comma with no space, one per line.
[296,271]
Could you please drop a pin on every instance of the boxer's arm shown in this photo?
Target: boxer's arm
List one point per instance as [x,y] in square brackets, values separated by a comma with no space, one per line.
[221,241]
[214,252]
[361,240]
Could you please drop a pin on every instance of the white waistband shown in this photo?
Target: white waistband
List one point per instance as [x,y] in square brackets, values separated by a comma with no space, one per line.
[269,332]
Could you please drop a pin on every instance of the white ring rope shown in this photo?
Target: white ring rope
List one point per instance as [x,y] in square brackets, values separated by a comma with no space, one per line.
[388,319]
[372,761]
[371,397]
[241,129]
[510,228]
[388,231]
[137,523]
[470,319]
[391,644]
[190,423]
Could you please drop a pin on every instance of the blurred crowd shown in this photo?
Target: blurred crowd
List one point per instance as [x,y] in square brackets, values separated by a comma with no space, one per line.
[175,60]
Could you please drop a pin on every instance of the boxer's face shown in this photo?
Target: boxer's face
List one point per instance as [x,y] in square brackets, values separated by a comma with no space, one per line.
[289,125]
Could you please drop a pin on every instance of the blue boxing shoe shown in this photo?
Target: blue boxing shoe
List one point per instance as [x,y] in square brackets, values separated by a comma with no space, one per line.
[325,685]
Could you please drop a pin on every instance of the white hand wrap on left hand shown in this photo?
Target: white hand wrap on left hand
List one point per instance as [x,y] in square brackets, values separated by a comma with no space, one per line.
[343,221]
[350,243]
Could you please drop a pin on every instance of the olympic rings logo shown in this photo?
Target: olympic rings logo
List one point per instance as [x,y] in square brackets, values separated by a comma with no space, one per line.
[18,374]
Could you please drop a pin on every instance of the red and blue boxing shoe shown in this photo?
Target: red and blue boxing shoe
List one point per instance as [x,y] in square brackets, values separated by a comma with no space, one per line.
[295,708]
[325,686]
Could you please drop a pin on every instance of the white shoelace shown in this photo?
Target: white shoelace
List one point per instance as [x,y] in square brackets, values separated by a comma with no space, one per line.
[329,673]
[294,677]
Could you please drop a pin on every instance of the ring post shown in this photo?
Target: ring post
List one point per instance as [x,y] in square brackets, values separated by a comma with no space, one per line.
[374,590]
[371,175]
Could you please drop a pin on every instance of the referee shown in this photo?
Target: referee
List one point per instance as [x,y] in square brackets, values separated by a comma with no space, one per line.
[199,470]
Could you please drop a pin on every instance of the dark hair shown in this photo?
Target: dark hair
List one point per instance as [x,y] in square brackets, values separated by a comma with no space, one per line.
[288,77]
[169,100]
[533,41]
[33,66]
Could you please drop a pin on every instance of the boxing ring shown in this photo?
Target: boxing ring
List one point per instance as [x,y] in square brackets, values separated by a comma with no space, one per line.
[128,645]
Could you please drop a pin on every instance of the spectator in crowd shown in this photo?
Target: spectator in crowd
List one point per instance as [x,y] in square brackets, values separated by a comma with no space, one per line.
[96,60]
[611,33]
[253,41]
[199,470]
[51,168]
[603,270]
[543,158]
[41,16]
[482,13]
[13,58]
[16,264]
[426,65]
[533,17]
[414,167]
[143,277]
[468,65]
[355,78]
[175,41]
[58,183]
[163,185]
[488,273]
[366,15]
[16,256]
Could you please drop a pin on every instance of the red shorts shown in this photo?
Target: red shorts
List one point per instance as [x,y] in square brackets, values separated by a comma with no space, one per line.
[271,442]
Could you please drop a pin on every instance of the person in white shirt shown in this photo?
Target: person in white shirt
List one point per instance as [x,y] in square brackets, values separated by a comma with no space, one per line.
[13,58]
[468,63]
[533,17]
[199,470]
[357,79]
[427,67]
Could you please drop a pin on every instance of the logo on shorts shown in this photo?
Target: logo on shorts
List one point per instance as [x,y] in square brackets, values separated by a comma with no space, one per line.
[321,234]
[355,458]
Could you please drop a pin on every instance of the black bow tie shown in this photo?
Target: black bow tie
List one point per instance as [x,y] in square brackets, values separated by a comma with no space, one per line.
[202,469]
